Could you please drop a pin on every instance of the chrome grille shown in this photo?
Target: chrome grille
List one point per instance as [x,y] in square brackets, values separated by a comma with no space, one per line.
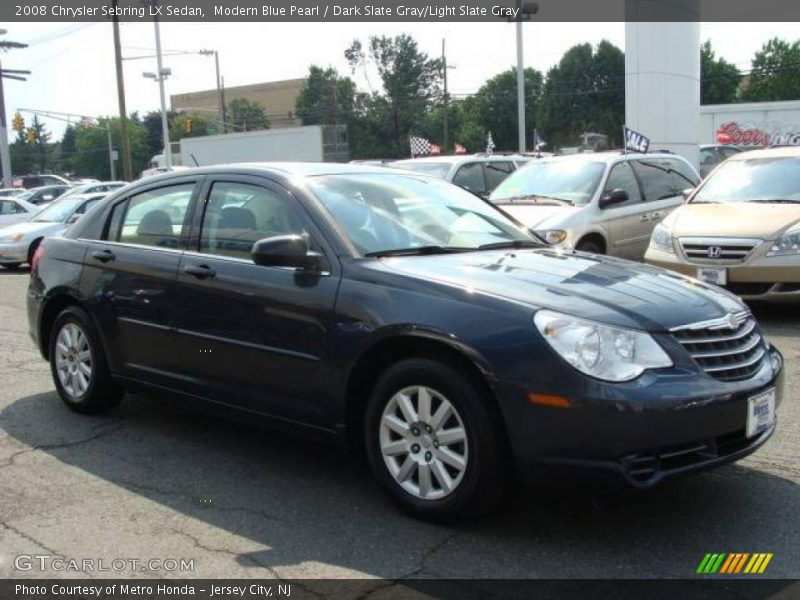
[729,349]
[731,250]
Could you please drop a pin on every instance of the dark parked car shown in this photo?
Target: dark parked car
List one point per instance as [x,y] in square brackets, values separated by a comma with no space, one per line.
[406,315]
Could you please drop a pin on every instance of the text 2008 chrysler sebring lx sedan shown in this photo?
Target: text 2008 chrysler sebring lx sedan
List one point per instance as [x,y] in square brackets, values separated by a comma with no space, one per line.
[408,314]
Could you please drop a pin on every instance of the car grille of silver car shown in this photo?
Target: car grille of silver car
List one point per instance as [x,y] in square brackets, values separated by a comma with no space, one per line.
[730,250]
[728,349]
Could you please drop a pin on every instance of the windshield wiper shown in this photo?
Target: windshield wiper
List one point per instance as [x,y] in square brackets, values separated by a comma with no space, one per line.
[512,244]
[417,251]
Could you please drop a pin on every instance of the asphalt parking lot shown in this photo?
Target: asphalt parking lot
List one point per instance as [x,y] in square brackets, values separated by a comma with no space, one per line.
[151,481]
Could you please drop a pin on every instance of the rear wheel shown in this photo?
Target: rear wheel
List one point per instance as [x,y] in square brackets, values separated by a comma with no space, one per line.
[78,365]
[12,266]
[435,441]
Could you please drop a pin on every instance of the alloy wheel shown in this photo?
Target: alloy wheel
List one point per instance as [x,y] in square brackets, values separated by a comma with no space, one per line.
[73,360]
[423,442]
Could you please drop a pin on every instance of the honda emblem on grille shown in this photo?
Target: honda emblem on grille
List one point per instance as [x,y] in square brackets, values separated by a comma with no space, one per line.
[733,321]
[714,252]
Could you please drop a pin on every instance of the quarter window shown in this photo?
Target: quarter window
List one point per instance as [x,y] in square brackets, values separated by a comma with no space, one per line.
[152,218]
[470,176]
[659,181]
[8,207]
[496,172]
[239,214]
[621,177]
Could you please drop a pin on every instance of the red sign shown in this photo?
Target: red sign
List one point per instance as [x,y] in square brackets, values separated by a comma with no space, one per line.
[744,135]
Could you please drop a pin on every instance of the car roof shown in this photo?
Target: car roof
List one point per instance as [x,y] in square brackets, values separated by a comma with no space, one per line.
[609,156]
[778,152]
[452,159]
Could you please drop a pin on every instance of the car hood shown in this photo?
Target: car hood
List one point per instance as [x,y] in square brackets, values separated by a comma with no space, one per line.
[536,215]
[733,219]
[32,228]
[600,288]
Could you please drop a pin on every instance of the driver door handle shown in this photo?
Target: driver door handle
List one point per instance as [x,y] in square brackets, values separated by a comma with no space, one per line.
[200,271]
[103,255]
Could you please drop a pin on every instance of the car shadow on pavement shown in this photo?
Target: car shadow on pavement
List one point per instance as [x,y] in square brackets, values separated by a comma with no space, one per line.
[303,503]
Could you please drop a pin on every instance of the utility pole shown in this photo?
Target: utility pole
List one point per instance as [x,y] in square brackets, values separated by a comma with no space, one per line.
[445,140]
[162,94]
[220,97]
[5,156]
[127,166]
[525,12]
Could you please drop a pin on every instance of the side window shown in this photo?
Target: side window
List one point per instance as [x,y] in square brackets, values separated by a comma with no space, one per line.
[155,217]
[683,175]
[6,207]
[621,177]
[470,176]
[17,208]
[658,181]
[496,172]
[86,206]
[728,152]
[708,157]
[239,214]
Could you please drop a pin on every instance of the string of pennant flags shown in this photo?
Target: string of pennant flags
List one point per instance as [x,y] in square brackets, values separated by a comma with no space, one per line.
[421,146]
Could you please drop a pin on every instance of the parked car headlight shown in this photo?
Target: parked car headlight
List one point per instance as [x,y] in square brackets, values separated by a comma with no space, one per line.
[552,236]
[788,243]
[14,237]
[602,351]
[662,239]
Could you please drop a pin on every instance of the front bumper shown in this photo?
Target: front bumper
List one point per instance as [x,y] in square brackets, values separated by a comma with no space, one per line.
[638,433]
[13,253]
[760,277]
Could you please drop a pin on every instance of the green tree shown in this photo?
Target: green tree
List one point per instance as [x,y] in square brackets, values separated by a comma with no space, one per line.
[719,79]
[245,115]
[188,125]
[775,74]
[67,149]
[584,92]
[494,108]
[326,98]
[91,145]
[411,83]
[22,160]
[152,124]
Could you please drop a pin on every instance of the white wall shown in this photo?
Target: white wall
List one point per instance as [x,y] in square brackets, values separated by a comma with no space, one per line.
[749,123]
[291,143]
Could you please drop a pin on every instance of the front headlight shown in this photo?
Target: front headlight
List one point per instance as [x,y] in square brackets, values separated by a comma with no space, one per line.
[552,236]
[602,351]
[15,237]
[788,243]
[662,239]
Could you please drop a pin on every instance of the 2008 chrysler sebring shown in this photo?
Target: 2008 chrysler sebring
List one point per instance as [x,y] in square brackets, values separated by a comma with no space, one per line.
[410,316]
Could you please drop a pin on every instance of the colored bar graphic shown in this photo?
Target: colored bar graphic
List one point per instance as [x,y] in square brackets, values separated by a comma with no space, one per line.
[732,563]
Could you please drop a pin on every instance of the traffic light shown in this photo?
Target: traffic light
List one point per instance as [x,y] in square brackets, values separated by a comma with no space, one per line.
[187,126]
[30,136]
[18,123]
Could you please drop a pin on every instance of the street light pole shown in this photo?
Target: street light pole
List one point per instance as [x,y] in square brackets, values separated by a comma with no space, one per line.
[520,88]
[112,167]
[219,86]
[5,155]
[161,77]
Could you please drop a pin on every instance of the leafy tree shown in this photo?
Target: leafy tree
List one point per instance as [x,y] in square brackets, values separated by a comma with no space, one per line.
[22,160]
[67,149]
[719,79]
[410,87]
[152,123]
[326,97]
[91,144]
[584,92]
[775,74]
[494,108]
[188,125]
[245,115]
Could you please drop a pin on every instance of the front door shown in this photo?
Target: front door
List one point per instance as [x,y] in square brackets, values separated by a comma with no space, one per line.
[255,336]
[627,223]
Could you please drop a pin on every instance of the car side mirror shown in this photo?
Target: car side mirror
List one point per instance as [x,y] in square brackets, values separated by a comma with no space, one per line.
[687,192]
[615,196]
[286,251]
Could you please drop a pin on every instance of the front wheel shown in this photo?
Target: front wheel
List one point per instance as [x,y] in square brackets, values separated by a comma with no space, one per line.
[435,441]
[78,365]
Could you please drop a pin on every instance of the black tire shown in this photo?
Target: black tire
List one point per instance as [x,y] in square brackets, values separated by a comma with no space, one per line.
[101,393]
[12,266]
[485,479]
[589,246]
[32,250]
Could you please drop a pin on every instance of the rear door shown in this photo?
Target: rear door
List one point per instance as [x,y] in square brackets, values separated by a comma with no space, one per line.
[626,223]
[250,335]
[131,279]
[663,181]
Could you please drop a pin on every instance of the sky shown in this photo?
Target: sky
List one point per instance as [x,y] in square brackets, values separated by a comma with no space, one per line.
[73,64]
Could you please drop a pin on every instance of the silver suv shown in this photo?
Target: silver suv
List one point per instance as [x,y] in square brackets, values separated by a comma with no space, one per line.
[606,203]
[478,173]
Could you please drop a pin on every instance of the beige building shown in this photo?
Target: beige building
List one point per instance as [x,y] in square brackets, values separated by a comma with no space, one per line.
[277,97]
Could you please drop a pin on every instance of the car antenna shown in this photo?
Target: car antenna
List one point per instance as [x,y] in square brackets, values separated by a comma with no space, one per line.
[196,164]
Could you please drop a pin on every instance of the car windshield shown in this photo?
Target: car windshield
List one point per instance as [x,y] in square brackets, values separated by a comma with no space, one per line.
[59,210]
[775,179]
[571,180]
[435,169]
[388,212]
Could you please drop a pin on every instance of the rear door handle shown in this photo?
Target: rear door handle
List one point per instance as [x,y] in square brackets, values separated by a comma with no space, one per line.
[200,271]
[103,255]
[655,216]
[644,219]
